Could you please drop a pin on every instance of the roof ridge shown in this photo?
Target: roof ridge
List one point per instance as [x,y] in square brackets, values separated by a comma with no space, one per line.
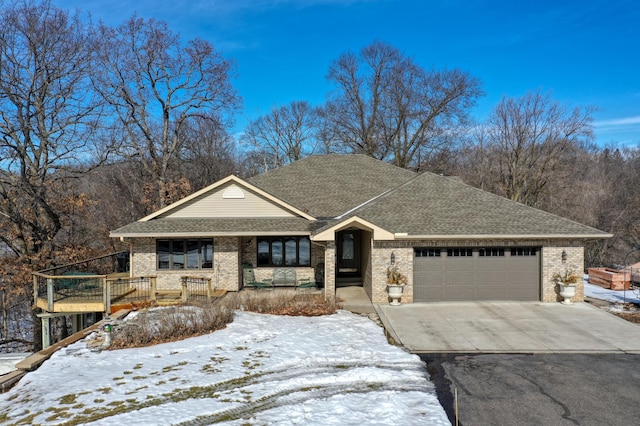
[384,194]
[366,210]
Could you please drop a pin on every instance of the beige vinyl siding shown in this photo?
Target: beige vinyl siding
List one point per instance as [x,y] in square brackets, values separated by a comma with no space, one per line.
[216,204]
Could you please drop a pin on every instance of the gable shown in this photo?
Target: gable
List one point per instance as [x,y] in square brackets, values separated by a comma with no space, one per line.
[229,200]
[328,232]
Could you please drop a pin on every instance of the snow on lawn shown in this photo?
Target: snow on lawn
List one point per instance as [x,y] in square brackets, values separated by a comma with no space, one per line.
[615,296]
[261,369]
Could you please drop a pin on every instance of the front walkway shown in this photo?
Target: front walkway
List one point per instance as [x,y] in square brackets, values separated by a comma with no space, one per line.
[354,299]
[508,327]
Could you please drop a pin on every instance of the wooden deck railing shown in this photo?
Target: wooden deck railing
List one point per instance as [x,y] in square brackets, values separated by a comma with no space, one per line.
[196,288]
[100,265]
[69,293]
[100,293]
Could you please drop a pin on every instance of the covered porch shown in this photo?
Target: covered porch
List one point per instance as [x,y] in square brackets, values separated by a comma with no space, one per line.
[354,260]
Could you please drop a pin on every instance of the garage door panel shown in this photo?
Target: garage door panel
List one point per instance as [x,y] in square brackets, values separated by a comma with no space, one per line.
[460,278]
[492,292]
[432,292]
[523,294]
[459,264]
[489,277]
[459,293]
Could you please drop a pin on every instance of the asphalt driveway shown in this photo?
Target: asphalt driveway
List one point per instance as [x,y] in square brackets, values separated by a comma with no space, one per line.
[540,389]
[508,327]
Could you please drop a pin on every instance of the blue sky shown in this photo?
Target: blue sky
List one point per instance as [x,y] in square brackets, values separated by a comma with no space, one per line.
[583,52]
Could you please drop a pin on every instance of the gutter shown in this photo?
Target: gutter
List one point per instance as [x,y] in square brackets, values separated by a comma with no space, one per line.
[209,234]
[406,236]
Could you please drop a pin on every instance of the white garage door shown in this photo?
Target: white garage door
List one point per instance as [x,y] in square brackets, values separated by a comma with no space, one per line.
[489,273]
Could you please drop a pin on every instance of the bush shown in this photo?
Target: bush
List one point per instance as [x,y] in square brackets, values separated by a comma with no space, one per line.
[310,305]
[159,325]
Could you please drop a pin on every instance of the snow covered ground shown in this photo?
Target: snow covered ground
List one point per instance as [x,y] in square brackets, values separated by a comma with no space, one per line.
[8,361]
[261,369]
[614,296]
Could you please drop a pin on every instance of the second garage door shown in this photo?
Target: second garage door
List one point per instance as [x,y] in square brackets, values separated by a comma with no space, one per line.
[490,273]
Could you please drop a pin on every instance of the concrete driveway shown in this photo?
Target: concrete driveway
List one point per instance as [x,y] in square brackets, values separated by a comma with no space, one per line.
[508,327]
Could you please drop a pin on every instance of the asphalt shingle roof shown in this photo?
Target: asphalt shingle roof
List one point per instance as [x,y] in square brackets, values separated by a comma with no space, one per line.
[436,205]
[330,185]
[394,199]
[213,226]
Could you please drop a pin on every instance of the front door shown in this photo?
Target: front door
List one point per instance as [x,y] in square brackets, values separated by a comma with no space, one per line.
[348,254]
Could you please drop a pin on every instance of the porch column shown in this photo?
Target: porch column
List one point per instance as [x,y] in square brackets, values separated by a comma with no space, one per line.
[330,271]
[46,332]
[77,322]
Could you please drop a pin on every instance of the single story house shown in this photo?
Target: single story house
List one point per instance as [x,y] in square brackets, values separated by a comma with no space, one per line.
[351,217]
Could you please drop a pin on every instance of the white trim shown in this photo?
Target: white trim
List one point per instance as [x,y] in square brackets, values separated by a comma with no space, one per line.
[238,181]
[329,234]
[212,234]
[405,236]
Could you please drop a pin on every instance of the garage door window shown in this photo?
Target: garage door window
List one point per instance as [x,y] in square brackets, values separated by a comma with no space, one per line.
[427,252]
[491,252]
[459,252]
[523,251]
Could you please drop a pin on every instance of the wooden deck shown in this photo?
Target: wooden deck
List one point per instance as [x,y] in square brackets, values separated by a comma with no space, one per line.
[87,299]
[82,293]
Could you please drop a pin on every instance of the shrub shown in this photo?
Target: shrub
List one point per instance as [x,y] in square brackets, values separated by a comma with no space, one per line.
[282,304]
[173,323]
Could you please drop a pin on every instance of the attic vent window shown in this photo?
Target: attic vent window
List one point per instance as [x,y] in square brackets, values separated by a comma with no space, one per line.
[233,192]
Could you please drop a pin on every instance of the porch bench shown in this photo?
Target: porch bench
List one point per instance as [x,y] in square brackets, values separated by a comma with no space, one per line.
[249,279]
[306,283]
[284,277]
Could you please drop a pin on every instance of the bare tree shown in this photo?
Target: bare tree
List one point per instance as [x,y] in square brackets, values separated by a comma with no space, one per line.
[286,134]
[527,143]
[209,153]
[604,204]
[155,86]
[388,107]
[625,194]
[48,118]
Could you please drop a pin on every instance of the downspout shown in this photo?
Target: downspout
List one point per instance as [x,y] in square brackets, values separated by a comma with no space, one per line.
[324,274]
[130,244]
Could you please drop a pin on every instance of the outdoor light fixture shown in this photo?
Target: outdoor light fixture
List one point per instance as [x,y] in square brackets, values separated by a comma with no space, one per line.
[393,258]
[564,256]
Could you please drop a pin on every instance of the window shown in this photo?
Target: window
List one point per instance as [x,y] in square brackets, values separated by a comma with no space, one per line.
[459,252]
[264,256]
[184,254]
[491,252]
[284,251]
[276,252]
[523,251]
[348,245]
[426,252]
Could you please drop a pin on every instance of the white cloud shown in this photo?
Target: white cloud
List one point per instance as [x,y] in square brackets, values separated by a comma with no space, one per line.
[626,121]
